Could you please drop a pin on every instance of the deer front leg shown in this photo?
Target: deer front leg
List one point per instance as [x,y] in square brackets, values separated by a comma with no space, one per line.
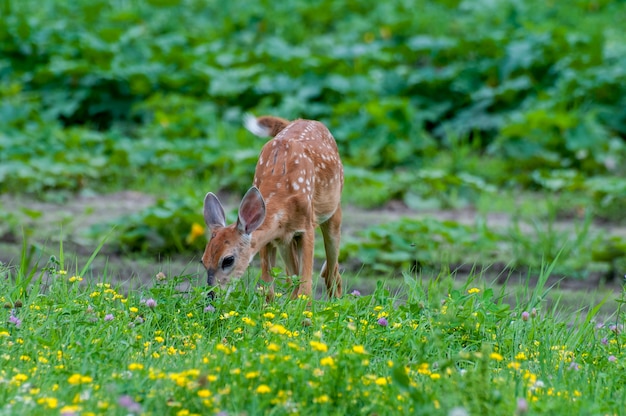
[305,253]
[331,231]
[268,260]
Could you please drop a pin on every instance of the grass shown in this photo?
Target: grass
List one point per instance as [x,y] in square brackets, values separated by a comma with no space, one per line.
[74,344]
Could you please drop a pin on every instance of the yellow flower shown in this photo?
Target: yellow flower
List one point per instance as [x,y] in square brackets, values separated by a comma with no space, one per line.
[197,230]
[50,402]
[319,346]
[252,374]
[322,399]
[75,279]
[496,356]
[273,347]
[135,366]
[248,321]
[381,381]
[327,361]
[204,393]
[473,290]
[263,389]
[278,329]
[435,376]
[133,309]
[359,349]
[269,315]
[79,379]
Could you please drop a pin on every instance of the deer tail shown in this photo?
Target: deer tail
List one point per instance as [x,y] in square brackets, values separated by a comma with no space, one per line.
[264,126]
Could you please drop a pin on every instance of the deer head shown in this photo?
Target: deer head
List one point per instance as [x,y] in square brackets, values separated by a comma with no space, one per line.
[228,252]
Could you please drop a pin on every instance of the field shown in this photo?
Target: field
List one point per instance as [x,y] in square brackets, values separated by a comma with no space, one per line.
[484,239]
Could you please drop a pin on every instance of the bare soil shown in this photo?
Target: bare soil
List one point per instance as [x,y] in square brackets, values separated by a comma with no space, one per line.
[67,221]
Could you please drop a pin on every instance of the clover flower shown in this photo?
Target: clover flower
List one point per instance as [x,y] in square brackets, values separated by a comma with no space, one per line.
[15,320]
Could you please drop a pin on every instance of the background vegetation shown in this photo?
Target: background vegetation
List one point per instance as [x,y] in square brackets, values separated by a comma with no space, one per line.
[437,104]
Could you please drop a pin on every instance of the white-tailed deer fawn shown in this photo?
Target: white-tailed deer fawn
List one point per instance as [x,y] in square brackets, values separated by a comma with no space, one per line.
[297,186]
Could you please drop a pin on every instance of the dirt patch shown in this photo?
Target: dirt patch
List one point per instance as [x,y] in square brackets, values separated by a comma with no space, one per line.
[47,223]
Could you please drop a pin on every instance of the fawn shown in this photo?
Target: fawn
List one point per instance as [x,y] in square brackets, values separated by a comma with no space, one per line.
[297,186]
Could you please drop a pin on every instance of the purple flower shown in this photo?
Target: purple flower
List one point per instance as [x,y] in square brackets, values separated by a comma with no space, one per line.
[108,317]
[574,366]
[15,320]
[355,293]
[612,358]
[522,406]
[383,321]
[209,308]
[604,341]
[525,316]
[151,303]
[131,405]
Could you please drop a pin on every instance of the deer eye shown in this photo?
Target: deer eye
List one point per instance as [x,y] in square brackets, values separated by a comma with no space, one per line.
[228,262]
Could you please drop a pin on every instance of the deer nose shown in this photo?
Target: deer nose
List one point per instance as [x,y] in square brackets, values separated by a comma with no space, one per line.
[210,277]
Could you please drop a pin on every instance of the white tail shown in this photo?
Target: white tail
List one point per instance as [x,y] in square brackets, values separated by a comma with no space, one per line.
[297,186]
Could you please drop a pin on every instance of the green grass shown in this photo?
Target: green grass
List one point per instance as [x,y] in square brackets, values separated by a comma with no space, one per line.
[78,345]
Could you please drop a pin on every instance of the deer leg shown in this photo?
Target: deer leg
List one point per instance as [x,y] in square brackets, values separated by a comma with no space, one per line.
[331,231]
[304,252]
[268,260]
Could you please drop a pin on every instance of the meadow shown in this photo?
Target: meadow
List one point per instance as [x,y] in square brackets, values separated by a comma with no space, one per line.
[484,241]
[84,347]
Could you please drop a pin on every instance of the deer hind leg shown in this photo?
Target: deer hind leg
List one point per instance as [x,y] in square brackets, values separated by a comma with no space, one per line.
[331,231]
[268,260]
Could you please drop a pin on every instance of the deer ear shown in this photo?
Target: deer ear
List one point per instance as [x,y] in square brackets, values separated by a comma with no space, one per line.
[251,211]
[213,212]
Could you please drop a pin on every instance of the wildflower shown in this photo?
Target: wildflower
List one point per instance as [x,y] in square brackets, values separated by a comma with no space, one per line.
[273,347]
[79,379]
[319,346]
[197,230]
[129,404]
[355,293]
[381,381]
[604,341]
[269,315]
[209,308]
[495,356]
[15,320]
[612,358]
[135,366]
[263,388]
[525,316]
[75,279]
[160,277]
[458,411]
[108,317]
[327,361]
[248,321]
[473,290]
[204,393]
[522,406]
[359,349]
[383,321]
[574,366]
[50,402]
[151,303]
[322,399]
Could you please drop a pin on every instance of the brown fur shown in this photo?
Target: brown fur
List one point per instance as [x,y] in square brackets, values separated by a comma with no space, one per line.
[300,178]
